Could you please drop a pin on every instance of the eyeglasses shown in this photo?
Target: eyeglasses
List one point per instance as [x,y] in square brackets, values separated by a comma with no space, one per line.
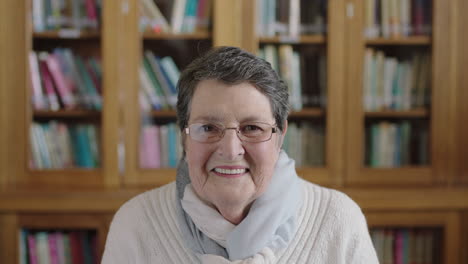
[253,132]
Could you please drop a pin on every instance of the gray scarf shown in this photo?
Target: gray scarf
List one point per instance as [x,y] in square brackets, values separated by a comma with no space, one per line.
[271,221]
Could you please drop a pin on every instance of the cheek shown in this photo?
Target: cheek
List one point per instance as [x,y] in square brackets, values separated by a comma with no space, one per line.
[263,160]
[197,155]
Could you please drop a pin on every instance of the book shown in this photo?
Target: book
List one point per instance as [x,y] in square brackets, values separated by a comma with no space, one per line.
[157,21]
[190,18]
[177,17]
[42,246]
[48,83]
[38,99]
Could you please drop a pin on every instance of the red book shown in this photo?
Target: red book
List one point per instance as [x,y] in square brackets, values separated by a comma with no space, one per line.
[76,248]
[48,83]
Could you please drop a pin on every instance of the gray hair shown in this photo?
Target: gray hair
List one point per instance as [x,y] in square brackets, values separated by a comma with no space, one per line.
[232,65]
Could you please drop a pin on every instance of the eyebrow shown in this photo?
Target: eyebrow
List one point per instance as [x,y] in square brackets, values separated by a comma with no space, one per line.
[215,119]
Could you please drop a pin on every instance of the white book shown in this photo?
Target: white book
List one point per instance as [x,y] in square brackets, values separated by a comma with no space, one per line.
[405,17]
[271,55]
[38,15]
[294,18]
[296,81]
[42,247]
[178,11]
[156,18]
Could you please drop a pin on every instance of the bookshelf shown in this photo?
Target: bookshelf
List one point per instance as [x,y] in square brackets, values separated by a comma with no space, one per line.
[431,119]
[432,196]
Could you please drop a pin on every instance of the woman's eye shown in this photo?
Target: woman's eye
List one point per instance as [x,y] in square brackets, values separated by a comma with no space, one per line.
[210,128]
[251,128]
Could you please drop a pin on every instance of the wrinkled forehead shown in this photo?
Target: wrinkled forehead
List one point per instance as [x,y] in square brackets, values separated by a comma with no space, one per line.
[217,101]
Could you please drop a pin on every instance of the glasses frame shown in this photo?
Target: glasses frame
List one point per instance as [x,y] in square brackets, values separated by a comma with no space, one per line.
[242,138]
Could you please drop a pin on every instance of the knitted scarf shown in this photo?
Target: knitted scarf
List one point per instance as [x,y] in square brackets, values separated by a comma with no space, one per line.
[270,223]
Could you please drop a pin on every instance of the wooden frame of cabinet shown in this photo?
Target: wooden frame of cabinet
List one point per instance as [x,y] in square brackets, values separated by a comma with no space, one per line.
[226,31]
[440,167]
[17,111]
[462,92]
[449,221]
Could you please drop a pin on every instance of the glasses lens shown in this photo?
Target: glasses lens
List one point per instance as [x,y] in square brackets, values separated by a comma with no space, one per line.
[248,132]
[205,132]
[255,132]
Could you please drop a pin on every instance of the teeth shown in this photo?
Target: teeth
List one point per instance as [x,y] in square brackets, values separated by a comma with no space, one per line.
[227,171]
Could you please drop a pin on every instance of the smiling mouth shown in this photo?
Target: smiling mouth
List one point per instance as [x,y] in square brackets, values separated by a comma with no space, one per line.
[230,173]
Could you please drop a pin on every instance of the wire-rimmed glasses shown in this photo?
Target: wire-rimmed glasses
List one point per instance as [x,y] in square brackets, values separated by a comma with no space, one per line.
[253,132]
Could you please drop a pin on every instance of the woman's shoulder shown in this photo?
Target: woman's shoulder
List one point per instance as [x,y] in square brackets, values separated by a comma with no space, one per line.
[139,207]
[336,203]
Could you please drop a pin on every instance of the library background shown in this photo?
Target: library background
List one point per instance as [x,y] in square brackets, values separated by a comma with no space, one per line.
[87,93]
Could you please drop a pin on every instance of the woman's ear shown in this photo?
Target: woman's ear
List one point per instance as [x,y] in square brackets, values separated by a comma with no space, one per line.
[283,134]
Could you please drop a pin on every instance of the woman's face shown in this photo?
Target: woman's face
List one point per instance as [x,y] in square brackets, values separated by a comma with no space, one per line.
[230,172]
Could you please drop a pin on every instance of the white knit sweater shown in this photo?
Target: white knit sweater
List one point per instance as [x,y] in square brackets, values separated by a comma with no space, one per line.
[331,229]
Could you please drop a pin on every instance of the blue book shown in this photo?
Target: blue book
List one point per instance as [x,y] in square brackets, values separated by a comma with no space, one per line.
[172,145]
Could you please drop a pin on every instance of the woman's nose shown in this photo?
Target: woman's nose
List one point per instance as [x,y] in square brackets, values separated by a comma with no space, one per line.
[230,146]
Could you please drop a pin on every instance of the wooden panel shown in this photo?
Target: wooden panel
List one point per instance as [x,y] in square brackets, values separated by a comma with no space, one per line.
[3,94]
[416,176]
[449,221]
[117,48]
[14,80]
[462,95]
[383,199]
[335,130]
[354,114]
[464,236]
[443,87]
[8,238]
[227,31]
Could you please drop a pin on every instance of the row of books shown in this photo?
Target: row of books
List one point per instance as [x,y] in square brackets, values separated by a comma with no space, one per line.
[305,143]
[392,144]
[405,245]
[291,18]
[58,247]
[158,77]
[63,80]
[397,18]
[160,146]
[56,145]
[178,16]
[292,65]
[286,61]
[59,14]
[390,83]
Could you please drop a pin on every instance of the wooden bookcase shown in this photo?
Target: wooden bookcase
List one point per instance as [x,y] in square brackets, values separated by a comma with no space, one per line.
[435,195]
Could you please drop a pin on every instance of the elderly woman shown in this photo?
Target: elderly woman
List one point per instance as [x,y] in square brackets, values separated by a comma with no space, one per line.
[237,197]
